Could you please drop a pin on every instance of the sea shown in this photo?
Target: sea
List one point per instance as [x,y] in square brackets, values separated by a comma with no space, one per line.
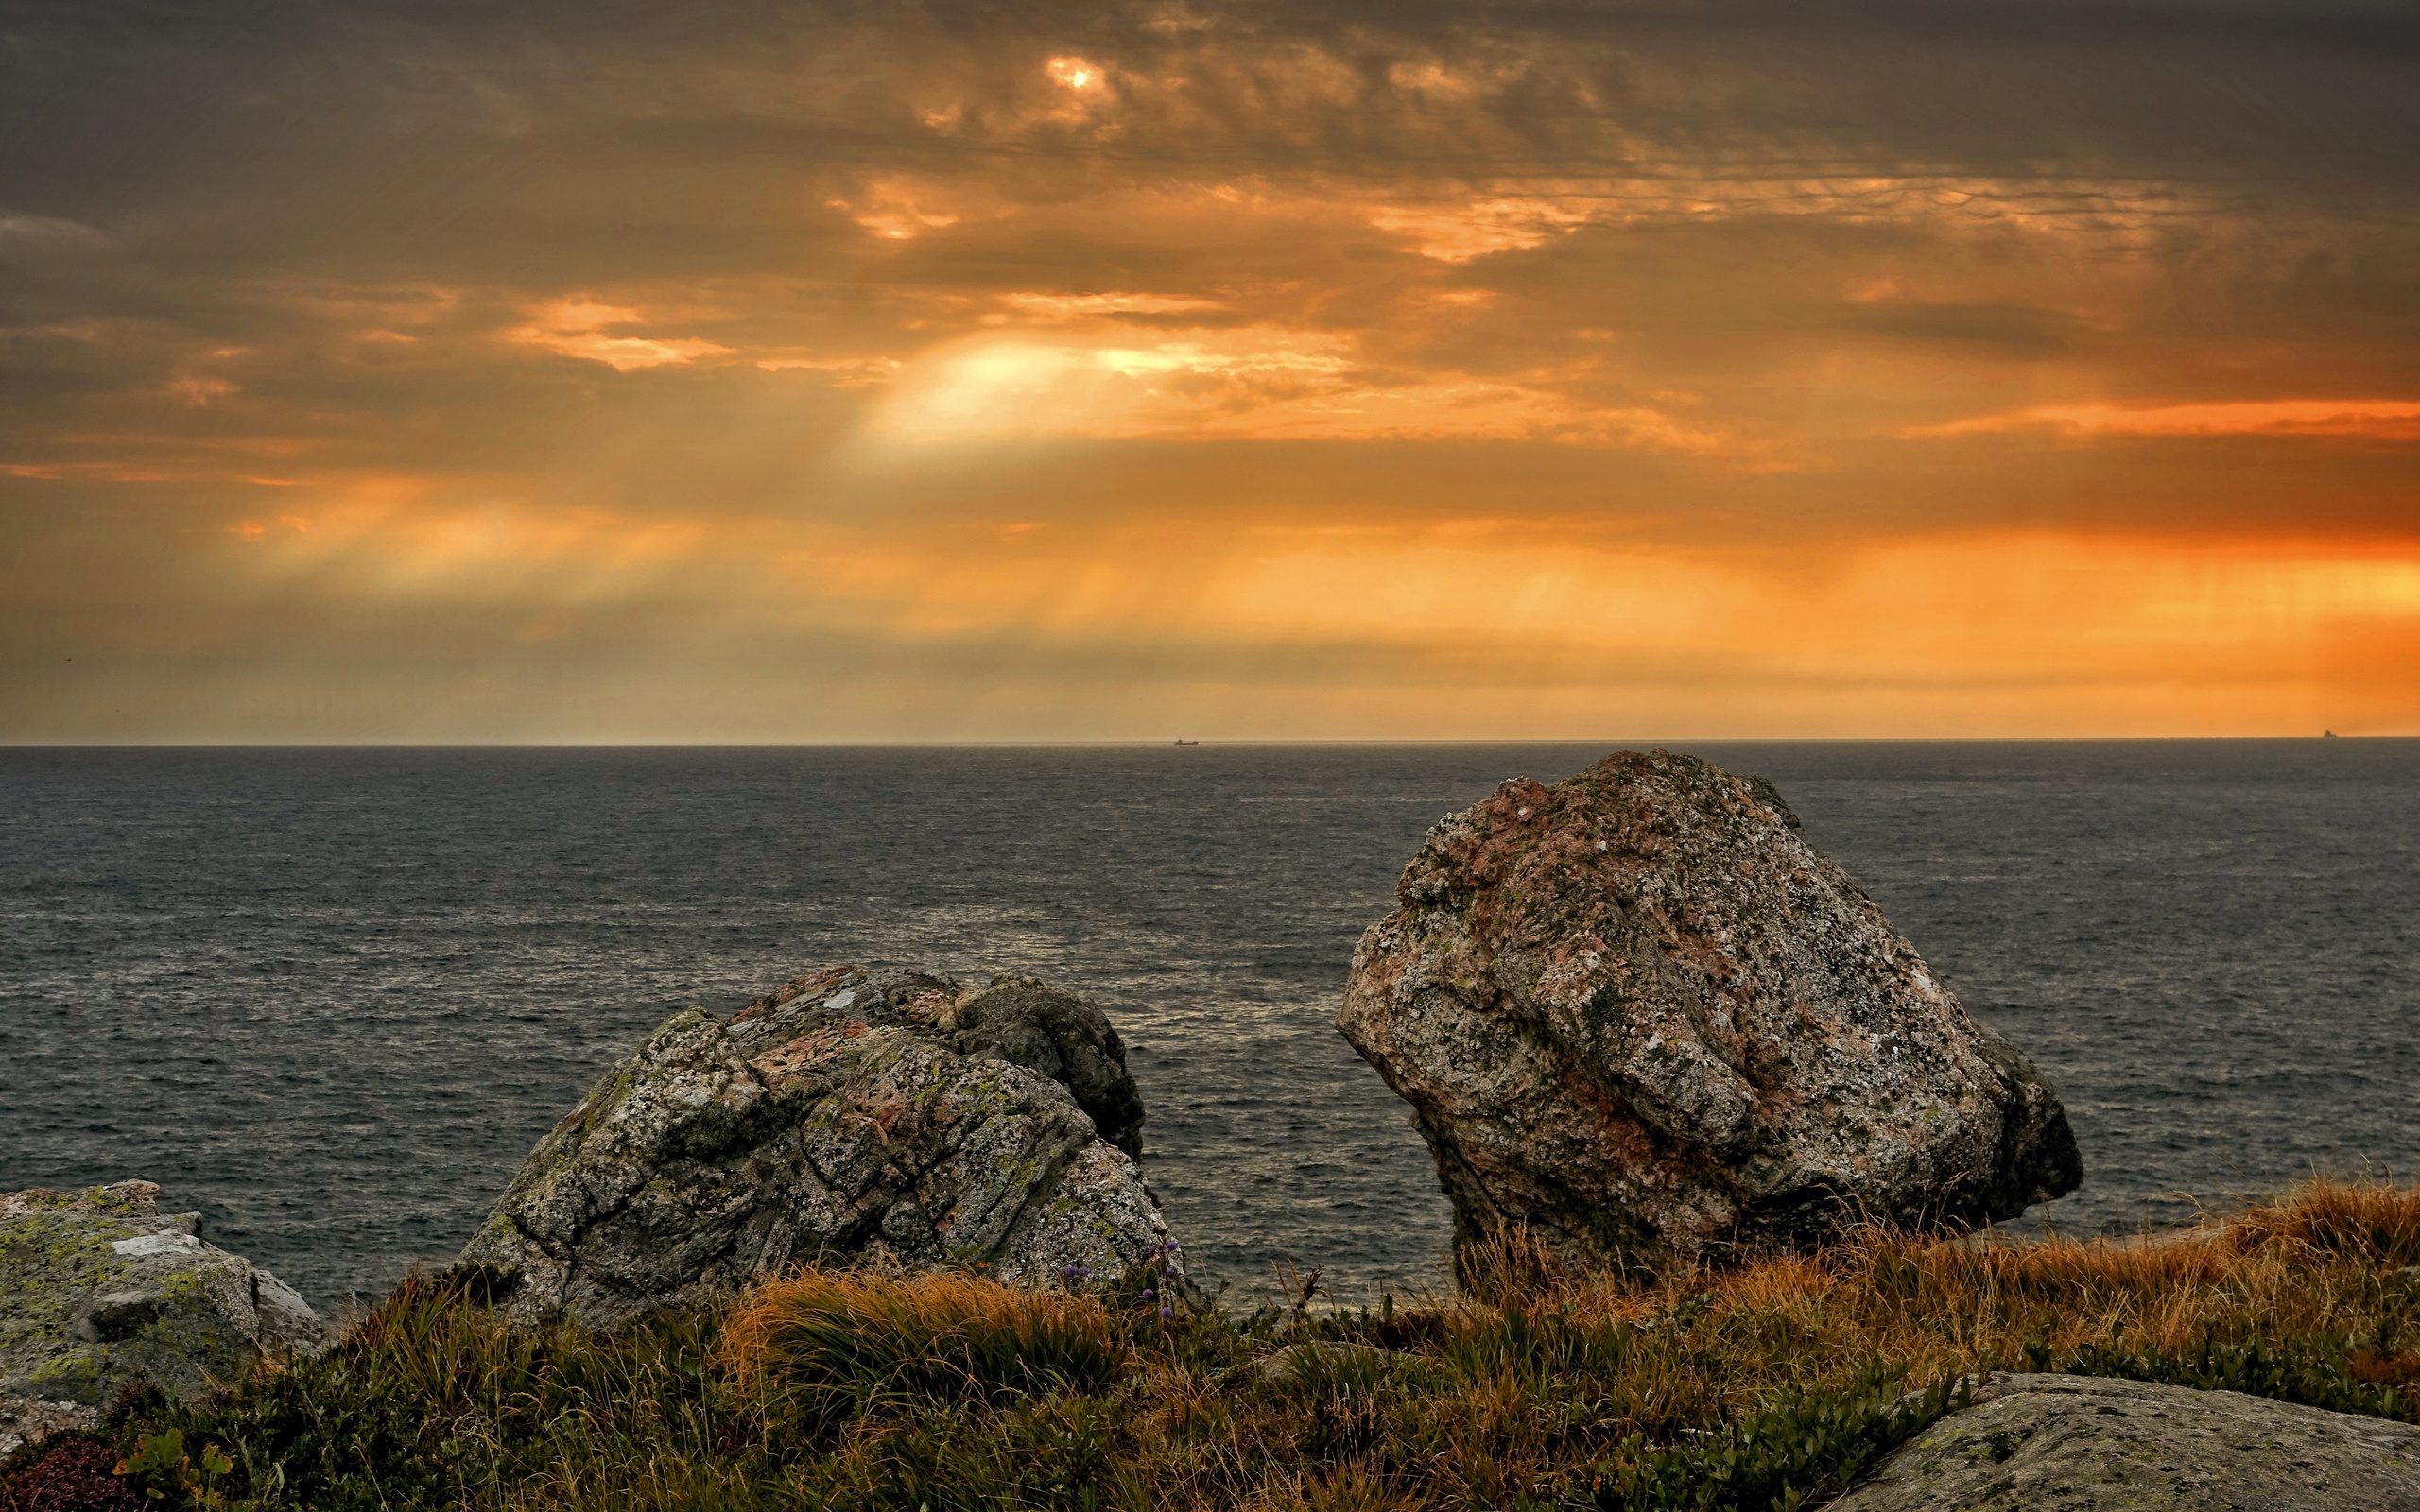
[329,998]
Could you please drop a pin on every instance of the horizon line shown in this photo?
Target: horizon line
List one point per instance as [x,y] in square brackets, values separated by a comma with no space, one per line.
[1142,743]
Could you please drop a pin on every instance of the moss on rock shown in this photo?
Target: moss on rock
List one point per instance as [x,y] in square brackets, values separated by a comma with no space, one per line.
[103,1289]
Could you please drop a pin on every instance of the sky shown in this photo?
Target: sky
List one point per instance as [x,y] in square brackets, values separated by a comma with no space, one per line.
[722,371]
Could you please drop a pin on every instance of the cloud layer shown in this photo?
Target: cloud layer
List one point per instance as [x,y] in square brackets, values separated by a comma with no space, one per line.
[739,372]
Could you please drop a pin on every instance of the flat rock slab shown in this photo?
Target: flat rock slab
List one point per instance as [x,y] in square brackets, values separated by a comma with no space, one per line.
[2047,1443]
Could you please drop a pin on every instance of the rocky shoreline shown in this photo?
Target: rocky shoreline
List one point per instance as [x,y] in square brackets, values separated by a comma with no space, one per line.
[1645,1029]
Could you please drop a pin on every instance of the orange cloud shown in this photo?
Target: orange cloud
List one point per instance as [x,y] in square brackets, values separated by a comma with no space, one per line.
[1459,230]
[1095,307]
[897,209]
[576,328]
[406,539]
[1258,383]
[255,530]
[2389,419]
[197,394]
[90,471]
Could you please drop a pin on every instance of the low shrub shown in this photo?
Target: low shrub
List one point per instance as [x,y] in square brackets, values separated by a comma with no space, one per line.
[69,1475]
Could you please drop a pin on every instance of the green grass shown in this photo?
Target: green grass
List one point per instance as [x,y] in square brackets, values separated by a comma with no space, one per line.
[1772,1386]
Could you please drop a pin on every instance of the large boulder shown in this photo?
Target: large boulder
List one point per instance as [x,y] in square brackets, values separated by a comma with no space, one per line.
[99,1288]
[2039,1443]
[857,1116]
[1638,1017]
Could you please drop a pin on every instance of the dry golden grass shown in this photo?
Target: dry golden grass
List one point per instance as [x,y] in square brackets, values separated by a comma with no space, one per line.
[1529,1393]
[2322,1263]
[1767,1386]
[857,1339]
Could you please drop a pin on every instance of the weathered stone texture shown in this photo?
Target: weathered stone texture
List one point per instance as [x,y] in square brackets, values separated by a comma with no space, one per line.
[1637,1014]
[2045,1443]
[857,1116]
[99,1288]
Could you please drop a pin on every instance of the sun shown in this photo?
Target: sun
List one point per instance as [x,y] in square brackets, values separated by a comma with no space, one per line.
[1076,73]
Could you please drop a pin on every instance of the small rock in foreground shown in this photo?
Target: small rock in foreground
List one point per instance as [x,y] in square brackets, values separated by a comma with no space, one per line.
[858,1116]
[99,1288]
[2045,1443]
[1641,1019]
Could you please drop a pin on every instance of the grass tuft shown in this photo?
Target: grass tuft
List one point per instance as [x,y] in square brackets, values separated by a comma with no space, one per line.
[860,1343]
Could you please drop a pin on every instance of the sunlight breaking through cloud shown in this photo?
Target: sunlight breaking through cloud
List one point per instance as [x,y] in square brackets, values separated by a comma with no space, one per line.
[578,328]
[1552,363]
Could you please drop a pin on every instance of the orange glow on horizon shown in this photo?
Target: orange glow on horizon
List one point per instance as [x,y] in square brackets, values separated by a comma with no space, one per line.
[1486,627]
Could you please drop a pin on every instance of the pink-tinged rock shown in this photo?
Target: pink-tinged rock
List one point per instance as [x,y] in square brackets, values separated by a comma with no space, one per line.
[1637,1016]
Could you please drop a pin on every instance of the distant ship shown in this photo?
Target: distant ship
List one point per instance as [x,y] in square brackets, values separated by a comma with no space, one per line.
[1188,743]
[2324,734]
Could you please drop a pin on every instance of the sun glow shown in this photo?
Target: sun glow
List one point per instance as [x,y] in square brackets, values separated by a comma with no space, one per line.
[1253,384]
[1075,73]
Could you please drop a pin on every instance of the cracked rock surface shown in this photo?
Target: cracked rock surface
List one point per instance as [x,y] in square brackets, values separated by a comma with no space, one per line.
[857,1116]
[1637,1015]
[2047,1443]
[100,1288]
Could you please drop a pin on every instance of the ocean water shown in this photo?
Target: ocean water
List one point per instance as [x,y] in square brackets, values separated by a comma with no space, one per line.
[330,997]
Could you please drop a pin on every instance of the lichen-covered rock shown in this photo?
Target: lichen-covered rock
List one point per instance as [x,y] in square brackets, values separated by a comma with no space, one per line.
[1017,1019]
[100,1288]
[1637,1016]
[2047,1443]
[856,1117]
